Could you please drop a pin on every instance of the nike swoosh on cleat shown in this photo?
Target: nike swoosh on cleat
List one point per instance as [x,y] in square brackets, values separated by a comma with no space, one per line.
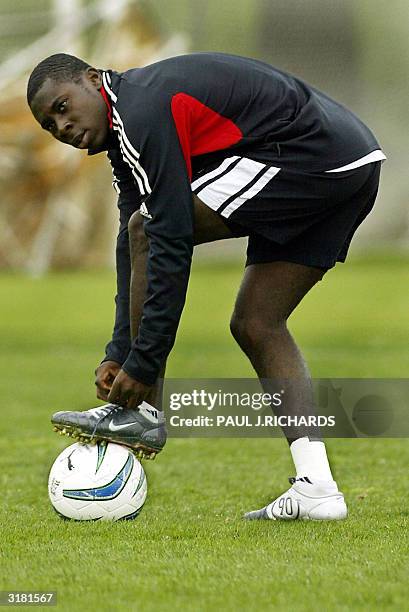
[113,427]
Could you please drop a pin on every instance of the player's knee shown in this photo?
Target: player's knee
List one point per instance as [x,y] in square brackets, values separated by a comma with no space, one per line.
[137,237]
[252,332]
[245,330]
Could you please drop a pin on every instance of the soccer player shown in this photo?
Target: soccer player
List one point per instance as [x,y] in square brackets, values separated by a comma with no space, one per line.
[205,147]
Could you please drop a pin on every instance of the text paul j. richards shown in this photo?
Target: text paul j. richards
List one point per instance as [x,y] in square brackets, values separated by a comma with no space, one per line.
[245,421]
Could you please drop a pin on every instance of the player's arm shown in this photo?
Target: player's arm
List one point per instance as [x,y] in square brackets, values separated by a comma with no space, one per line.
[162,168]
[117,350]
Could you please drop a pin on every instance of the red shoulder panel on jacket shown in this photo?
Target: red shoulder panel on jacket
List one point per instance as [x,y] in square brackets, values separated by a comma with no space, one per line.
[201,129]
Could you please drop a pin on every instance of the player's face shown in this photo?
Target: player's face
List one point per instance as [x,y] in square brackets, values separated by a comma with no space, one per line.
[74,113]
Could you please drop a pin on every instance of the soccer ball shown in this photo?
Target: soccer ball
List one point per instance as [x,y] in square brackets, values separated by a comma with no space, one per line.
[104,482]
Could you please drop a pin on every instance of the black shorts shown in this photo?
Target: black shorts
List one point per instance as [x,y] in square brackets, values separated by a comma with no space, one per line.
[300,217]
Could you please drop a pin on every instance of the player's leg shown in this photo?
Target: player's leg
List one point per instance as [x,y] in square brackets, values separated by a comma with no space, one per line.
[268,295]
[310,220]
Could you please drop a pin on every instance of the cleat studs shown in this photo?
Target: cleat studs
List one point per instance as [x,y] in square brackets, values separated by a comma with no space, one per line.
[60,432]
[140,453]
[55,428]
[64,430]
[152,456]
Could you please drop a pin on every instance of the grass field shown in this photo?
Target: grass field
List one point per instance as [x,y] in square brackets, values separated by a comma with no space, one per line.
[190,549]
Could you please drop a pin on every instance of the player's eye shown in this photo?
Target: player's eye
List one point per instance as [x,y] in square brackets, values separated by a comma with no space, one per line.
[48,127]
[61,106]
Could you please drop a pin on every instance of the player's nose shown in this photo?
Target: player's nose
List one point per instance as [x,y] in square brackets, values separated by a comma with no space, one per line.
[64,129]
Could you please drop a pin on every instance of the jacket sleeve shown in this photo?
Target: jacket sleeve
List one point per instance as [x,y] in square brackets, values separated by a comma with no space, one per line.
[150,143]
[128,202]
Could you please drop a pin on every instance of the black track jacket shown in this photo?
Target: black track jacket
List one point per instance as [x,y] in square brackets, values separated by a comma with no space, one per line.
[170,121]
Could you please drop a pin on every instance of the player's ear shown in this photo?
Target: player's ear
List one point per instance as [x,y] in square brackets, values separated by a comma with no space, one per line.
[94,77]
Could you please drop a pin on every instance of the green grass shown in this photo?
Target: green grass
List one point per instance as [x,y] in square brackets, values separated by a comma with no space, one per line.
[190,549]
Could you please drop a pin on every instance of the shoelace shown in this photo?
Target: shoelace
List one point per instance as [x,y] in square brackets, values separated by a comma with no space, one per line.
[105,413]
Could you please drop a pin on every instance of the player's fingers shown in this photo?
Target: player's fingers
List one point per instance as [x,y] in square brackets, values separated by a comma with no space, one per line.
[105,374]
[105,378]
[102,389]
[103,395]
[124,398]
[114,396]
[104,385]
[133,401]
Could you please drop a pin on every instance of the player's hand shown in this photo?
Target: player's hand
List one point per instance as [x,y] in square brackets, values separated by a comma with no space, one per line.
[105,376]
[127,391]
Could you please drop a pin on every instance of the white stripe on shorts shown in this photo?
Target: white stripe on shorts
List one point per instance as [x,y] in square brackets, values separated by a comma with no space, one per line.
[232,183]
[219,170]
[377,155]
[251,192]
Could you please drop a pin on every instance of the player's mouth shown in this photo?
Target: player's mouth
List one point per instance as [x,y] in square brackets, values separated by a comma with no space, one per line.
[81,141]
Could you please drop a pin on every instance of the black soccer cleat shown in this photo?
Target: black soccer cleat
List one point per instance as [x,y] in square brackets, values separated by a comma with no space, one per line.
[142,429]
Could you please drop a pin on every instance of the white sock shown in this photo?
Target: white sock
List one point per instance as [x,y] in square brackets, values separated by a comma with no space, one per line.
[310,459]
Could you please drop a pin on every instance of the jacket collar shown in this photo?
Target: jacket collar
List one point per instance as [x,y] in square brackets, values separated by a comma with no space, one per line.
[110,98]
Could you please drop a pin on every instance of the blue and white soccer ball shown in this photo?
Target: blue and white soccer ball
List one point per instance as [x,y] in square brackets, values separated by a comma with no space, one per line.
[105,482]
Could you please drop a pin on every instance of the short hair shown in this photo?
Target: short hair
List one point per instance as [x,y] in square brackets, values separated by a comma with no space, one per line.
[59,67]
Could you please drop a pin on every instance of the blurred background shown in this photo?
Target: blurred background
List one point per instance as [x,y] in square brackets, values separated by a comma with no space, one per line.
[58,207]
[58,222]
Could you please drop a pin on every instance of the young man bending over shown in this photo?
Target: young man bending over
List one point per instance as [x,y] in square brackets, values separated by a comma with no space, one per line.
[205,147]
